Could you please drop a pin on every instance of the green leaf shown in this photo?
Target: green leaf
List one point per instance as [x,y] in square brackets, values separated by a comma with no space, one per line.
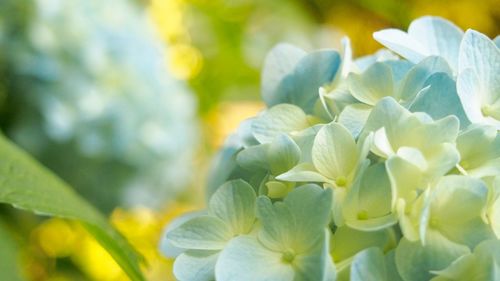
[9,256]
[27,185]
[234,203]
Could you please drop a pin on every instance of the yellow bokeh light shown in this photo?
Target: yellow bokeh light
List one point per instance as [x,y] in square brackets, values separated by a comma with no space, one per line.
[185,61]
[226,117]
[57,237]
[95,261]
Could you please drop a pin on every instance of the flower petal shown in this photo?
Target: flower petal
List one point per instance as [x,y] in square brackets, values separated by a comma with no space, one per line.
[234,203]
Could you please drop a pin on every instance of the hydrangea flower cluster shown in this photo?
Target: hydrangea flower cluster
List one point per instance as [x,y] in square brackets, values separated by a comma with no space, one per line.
[381,168]
[90,79]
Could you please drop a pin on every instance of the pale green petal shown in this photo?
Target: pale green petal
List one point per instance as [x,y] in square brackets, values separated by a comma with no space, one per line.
[246,259]
[253,157]
[479,53]
[279,119]
[298,221]
[369,203]
[282,154]
[402,44]
[196,265]
[481,265]
[494,217]
[362,63]
[479,148]
[406,179]
[234,203]
[386,113]
[301,87]
[354,117]
[413,156]
[381,145]
[426,36]
[413,216]
[279,62]
[201,233]
[337,99]
[451,219]
[334,152]
[339,194]
[373,224]
[310,205]
[278,224]
[277,189]
[441,159]
[303,172]
[373,84]
[167,249]
[390,263]
[346,242]
[415,261]
[316,264]
[417,78]
[369,265]
[440,99]
[305,140]
[468,90]
[440,36]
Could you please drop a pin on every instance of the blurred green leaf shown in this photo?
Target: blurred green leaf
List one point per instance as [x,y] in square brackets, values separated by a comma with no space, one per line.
[9,256]
[27,185]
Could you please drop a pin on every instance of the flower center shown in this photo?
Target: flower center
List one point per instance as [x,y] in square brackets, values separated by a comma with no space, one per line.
[363,215]
[288,256]
[433,222]
[489,110]
[341,181]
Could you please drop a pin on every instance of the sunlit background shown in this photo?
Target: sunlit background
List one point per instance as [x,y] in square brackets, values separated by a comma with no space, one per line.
[129,100]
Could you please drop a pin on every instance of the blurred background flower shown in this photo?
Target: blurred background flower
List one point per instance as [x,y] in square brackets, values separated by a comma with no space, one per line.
[88,93]
[128,100]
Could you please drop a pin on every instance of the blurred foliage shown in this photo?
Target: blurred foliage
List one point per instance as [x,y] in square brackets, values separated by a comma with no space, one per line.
[216,46]
[86,90]
[224,41]
[9,259]
[62,250]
